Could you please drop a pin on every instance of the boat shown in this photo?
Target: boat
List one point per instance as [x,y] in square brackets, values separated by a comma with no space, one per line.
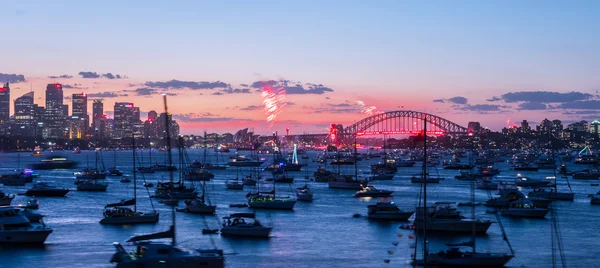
[236,225]
[371,191]
[458,167]
[234,184]
[588,174]
[125,179]
[529,182]
[455,256]
[199,206]
[44,189]
[268,200]
[244,161]
[6,199]
[524,208]
[54,163]
[198,175]
[121,213]
[169,201]
[444,217]
[155,254]
[304,193]
[114,171]
[382,177]
[525,167]
[595,198]
[91,185]
[249,180]
[323,175]
[387,210]
[16,228]
[30,204]
[428,180]
[37,153]
[281,178]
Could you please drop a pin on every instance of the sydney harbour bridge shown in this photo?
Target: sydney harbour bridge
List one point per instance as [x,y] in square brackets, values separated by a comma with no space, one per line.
[391,123]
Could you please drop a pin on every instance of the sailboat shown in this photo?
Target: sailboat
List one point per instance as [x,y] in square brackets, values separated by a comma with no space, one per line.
[114,171]
[455,256]
[156,254]
[348,181]
[197,205]
[553,194]
[88,179]
[209,166]
[120,213]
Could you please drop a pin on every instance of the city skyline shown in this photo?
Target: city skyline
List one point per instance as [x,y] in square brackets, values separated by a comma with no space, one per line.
[509,65]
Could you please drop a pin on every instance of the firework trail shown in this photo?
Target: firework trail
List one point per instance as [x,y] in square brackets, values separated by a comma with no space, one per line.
[273,101]
[368,110]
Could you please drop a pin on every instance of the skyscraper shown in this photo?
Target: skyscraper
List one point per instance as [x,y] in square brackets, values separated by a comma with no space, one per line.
[55,118]
[97,118]
[25,110]
[4,103]
[126,115]
[79,116]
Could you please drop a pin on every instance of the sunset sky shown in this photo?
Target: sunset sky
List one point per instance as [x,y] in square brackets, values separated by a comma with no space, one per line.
[485,61]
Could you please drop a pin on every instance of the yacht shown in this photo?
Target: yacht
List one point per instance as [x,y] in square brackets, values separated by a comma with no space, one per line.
[90,174]
[248,180]
[588,174]
[199,206]
[323,175]
[304,193]
[176,190]
[551,194]
[236,225]
[456,257]
[268,200]
[371,191]
[347,182]
[30,204]
[523,208]
[154,254]
[529,182]
[243,161]
[15,227]
[6,199]
[198,175]
[234,185]
[595,198]
[44,189]
[386,209]
[444,217]
[91,185]
[54,163]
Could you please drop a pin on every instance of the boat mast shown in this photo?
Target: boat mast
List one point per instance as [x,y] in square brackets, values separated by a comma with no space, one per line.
[425,214]
[355,160]
[168,140]
[472,196]
[134,173]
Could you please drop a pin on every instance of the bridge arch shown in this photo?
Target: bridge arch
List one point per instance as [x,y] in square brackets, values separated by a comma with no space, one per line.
[403,120]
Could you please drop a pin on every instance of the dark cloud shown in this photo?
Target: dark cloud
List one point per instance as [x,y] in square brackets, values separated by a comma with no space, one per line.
[243,85]
[327,98]
[65,76]
[458,100]
[105,94]
[234,91]
[293,88]
[89,74]
[177,84]
[12,78]
[581,105]
[76,85]
[218,93]
[494,99]
[545,96]
[439,100]
[251,108]
[339,104]
[532,106]
[145,91]
[113,76]
[583,112]
[482,107]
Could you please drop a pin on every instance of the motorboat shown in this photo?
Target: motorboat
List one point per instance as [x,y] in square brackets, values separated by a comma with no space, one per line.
[6,199]
[323,175]
[236,225]
[529,182]
[44,189]
[588,174]
[243,161]
[523,208]
[382,177]
[114,172]
[444,217]
[304,193]
[347,182]
[595,198]
[456,257]
[199,206]
[551,194]
[487,184]
[126,215]
[248,180]
[371,191]
[415,179]
[386,209]
[15,227]
[176,190]
[30,204]
[91,185]
[234,185]
[281,178]
[54,163]
[90,174]
[198,175]
[125,179]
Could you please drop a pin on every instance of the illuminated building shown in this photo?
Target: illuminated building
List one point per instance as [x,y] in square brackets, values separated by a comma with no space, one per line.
[24,117]
[4,103]
[79,122]
[126,115]
[55,117]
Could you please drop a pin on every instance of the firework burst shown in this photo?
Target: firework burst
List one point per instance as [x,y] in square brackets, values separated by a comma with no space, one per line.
[366,109]
[273,101]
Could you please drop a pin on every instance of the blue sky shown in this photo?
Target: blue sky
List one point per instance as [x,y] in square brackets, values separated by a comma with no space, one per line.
[440,48]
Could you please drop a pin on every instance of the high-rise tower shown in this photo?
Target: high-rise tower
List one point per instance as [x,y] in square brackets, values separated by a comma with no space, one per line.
[4,103]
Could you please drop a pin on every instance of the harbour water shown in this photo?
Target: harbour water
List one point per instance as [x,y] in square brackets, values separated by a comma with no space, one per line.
[318,234]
